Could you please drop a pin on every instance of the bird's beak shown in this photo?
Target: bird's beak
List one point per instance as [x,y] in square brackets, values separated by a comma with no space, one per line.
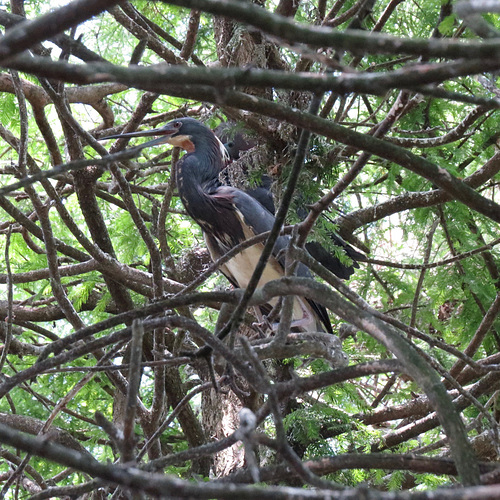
[163,135]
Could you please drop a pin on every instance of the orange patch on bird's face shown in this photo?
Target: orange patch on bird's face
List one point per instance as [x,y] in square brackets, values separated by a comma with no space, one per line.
[182,141]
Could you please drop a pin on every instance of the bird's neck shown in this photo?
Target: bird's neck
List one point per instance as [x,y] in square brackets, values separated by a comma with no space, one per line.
[198,177]
[203,165]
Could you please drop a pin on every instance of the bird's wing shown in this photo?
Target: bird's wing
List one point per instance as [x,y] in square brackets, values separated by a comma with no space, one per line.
[241,217]
[255,220]
[327,258]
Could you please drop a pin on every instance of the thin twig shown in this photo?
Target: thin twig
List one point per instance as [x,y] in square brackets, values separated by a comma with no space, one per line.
[10,300]
[134,381]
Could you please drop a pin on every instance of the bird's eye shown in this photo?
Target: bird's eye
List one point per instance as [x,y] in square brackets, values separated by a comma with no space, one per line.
[230,144]
[178,124]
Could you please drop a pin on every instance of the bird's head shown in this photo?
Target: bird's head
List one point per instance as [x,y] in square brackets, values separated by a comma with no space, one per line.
[186,133]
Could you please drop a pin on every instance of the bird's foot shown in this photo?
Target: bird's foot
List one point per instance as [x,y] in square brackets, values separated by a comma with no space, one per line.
[262,328]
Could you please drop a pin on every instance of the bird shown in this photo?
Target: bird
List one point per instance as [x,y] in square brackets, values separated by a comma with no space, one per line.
[235,144]
[228,215]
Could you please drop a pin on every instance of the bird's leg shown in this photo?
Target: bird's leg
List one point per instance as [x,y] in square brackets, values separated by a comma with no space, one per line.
[262,325]
[306,323]
[267,322]
[304,320]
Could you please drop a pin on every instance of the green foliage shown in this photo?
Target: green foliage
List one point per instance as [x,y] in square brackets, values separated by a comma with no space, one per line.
[396,480]
[102,303]
[385,207]
[446,26]
[308,426]
[80,294]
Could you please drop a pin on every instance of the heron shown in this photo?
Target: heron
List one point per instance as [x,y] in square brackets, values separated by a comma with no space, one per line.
[227,215]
